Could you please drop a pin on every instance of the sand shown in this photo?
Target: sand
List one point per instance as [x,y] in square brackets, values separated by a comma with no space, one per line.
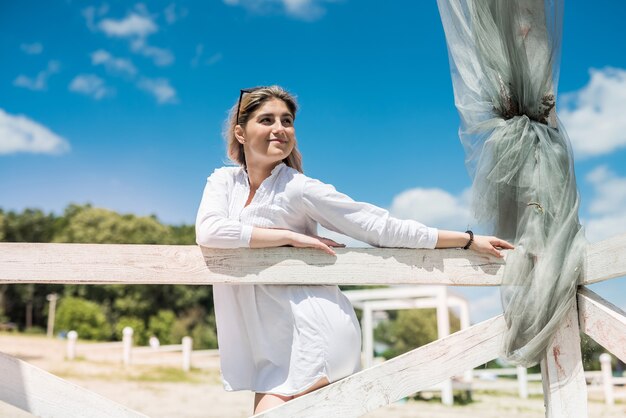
[155,385]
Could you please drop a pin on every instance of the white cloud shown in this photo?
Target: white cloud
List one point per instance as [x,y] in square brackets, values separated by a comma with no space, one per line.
[433,207]
[160,88]
[91,85]
[594,115]
[173,13]
[197,59]
[113,65]
[90,13]
[18,133]
[160,56]
[32,49]
[136,27]
[40,82]
[607,208]
[300,9]
[132,25]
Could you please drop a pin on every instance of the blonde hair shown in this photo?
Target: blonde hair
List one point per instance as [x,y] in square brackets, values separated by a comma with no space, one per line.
[250,102]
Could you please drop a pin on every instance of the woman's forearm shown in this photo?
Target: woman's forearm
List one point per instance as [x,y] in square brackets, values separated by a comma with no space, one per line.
[267,237]
[452,239]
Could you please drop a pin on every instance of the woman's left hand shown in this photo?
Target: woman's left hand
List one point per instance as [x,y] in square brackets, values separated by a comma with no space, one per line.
[490,245]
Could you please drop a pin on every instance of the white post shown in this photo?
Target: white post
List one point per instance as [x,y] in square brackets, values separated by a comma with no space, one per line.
[443,330]
[468,376]
[52,298]
[367,329]
[72,336]
[187,344]
[522,382]
[607,378]
[562,374]
[127,343]
[154,343]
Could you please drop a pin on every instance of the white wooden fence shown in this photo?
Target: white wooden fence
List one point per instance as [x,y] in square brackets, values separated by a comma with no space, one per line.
[563,380]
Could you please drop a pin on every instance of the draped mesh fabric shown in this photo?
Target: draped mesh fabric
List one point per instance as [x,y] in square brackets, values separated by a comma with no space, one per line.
[504,59]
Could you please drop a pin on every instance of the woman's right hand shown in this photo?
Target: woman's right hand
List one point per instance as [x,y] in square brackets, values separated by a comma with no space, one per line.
[313,241]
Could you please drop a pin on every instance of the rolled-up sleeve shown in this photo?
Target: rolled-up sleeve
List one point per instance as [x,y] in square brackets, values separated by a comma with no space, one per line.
[363,221]
[213,227]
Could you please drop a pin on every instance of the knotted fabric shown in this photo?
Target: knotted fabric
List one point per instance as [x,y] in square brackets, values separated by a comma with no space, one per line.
[504,58]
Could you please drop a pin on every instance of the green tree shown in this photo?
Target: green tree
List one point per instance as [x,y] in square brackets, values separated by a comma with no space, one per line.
[32,225]
[102,226]
[83,316]
[2,225]
[161,324]
[140,336]
[411,329]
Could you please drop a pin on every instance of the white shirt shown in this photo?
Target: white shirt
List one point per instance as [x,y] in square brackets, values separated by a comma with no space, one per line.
[282,339]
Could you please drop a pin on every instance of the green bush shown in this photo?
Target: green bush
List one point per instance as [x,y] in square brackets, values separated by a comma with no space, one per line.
[140,336]
[161,324]
[83,316]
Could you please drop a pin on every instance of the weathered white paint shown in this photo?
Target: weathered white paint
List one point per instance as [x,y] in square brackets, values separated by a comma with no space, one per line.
[606,260]
[564,386]
[399,377]
[127,345]
[72,336]
[602,321]
[42,394]
[607,378]
[186,264]
[189,264]
[187,344]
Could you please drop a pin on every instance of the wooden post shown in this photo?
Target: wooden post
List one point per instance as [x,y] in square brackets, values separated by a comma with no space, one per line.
[522,382]
[72,336]
[187,344]
[468,376]
[607,378]
[367,329]
[52,298]
[443,330]
[127,341]
[563,378]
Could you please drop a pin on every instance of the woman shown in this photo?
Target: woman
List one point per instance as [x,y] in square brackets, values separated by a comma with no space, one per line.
[284,341]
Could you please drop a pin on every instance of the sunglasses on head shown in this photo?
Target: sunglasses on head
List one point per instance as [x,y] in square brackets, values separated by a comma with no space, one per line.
[241,93]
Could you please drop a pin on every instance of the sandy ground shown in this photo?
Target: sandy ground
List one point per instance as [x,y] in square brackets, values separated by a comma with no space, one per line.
[155,386]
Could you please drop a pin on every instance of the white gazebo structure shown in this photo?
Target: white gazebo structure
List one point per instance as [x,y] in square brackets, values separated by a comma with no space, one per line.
[410,297]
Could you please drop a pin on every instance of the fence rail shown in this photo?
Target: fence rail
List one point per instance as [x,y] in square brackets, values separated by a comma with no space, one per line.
[563,379]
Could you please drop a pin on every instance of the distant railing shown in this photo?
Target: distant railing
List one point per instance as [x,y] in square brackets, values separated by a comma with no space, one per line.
[563,378]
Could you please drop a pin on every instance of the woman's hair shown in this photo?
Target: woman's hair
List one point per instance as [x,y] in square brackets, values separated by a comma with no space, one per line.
[250,102]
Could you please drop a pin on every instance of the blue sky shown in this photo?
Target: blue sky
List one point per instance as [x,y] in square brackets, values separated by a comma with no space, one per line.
[121,104]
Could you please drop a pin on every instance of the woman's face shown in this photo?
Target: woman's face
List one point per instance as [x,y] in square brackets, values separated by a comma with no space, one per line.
[269,136]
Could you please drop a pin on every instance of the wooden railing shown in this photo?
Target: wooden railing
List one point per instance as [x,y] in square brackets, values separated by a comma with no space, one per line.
[563,380]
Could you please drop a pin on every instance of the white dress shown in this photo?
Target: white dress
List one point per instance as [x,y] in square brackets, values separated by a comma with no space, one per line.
[281,339]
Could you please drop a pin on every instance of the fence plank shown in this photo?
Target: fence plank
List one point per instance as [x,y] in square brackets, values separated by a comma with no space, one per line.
[406,374]
[602,321]
[43,394]
[563,378]
[606,260]
[188,264]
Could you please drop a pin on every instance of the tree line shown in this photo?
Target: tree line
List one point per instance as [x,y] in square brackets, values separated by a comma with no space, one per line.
[100,312]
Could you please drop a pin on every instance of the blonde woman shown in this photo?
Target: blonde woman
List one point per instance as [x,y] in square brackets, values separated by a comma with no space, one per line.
[284,341]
